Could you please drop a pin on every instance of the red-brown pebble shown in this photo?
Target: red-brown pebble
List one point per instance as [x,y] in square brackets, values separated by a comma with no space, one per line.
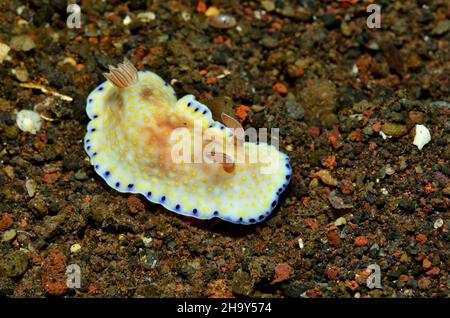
[334,239]
[280,88]
[135,204]
[53,272]
[282,272]
[361,241]
[421,238]
[333,272]
[426,264]
[6,222]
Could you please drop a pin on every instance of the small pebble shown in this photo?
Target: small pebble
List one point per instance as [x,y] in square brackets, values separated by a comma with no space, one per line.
[424,283]
[440,104]
[222,21]
[395,130]
[402,163]
[300,243]
[314,183]
[9,171]
[4,49]
[147,241]
[21,74]
[373,45]
[268,5]
[368,131]
[280,88]
[326,177]
[257,108]
[340,221]
[14,264]
[438,223]
[31,185]
[293,109]
[70,60]
[75,248]
[212,11]
[418,169]
[81,175]
[146,17]
[242,283]
[361,241]
[22,43]
[127,20]
[330,21]
[172,244]
[441,27]
[346,29]
[38,206]
[9,235]
[336,201]
[389,170]
[186,16]
[407,205]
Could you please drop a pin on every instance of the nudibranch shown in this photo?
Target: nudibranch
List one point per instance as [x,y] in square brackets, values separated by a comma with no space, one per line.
[138,130]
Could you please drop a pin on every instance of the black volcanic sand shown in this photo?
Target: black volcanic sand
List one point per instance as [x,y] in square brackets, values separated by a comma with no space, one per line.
[314,70]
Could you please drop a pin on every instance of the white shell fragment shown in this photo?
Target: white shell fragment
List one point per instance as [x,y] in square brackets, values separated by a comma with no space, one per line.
[422,137]
[384,135]
[29,121]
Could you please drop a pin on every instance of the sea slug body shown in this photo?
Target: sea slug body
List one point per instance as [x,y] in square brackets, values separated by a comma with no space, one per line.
[131,142]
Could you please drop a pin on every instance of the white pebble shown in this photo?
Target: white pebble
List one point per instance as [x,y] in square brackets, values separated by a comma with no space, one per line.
[300,243]
[4,49]
[422,137]
[146,16]
[31,185]
[438,223]
[147,241]
[20,10]
[257,14]
[127,20]
[186,16]
[29,121]
[75,248]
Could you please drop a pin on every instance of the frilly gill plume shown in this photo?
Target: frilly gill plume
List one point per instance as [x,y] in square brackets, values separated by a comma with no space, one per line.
[124,75]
